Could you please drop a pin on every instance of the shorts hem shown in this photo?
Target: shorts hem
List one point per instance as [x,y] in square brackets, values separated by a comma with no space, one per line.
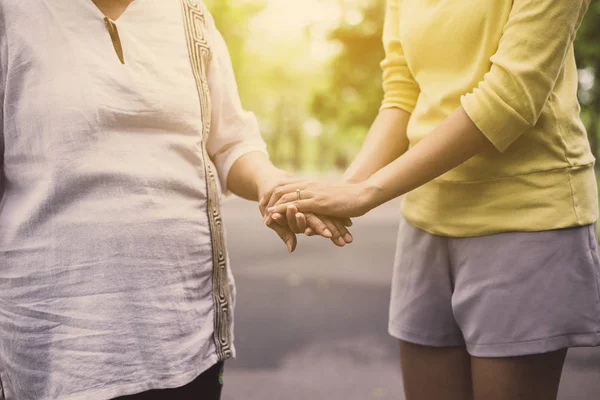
[431,340]
[498,350]
[537,346]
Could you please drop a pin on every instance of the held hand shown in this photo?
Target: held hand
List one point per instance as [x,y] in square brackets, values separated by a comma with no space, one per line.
[311,224]
[295,222]
[333,229]
[284,232]
[343,200]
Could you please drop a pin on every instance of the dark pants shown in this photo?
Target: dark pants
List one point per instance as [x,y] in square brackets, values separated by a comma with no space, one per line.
[205,387]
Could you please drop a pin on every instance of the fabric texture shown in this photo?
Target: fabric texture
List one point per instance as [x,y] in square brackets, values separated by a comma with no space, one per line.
[518,84]
[106,259]
[501,295]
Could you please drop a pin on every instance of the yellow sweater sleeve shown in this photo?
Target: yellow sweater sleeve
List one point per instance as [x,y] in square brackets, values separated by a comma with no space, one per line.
[525,68]
[399,87]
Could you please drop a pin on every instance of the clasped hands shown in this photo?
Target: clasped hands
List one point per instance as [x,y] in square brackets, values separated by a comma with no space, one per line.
[296,206]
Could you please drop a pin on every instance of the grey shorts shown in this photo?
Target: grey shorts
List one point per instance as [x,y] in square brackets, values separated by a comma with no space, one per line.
[501,295]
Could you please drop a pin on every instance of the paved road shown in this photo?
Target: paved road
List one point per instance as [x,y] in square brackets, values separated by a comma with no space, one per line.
[313,325]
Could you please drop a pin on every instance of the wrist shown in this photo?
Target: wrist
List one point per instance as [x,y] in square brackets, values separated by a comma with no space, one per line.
[353,176]
[350,179]
[268,178]
[371,193]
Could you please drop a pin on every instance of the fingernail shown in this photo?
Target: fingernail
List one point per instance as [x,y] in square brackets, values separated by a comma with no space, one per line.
[348,238]
[275,216]
[341,241]
[271,209]
[328,233]
[289,246]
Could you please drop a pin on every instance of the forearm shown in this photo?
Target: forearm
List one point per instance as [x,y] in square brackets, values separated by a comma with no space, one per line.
[251,174]
[452,143]
[385,142]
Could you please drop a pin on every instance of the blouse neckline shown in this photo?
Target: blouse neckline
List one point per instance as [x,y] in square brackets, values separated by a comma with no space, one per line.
[103,16]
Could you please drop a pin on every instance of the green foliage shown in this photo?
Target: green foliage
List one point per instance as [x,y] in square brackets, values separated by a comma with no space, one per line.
[274,80]
[354,77]
[350,100]
[231,17]
[587,46]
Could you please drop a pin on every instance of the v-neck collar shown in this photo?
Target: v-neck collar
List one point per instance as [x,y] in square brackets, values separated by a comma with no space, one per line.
[101,14]
[111,25]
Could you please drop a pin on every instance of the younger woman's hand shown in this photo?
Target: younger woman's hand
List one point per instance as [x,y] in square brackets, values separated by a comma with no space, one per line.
[342,200]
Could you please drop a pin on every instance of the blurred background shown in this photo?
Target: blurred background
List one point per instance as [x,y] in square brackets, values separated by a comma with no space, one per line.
[313,325]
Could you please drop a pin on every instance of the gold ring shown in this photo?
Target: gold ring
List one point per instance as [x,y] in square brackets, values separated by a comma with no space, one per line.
[298,194]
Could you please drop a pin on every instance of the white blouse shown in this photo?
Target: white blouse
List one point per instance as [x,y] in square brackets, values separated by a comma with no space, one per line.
[113,273]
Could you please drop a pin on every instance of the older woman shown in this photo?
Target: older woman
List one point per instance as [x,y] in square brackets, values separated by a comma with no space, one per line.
[119,125]
[497,269]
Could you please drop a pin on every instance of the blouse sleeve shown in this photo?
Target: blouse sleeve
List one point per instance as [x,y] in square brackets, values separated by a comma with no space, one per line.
[399,86]
[531,54]
[234,131]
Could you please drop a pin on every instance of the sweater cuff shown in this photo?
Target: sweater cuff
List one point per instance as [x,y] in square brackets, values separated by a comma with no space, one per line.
[497,120]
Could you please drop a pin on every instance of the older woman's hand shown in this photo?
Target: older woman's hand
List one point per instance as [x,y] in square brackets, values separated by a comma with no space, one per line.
[311,224]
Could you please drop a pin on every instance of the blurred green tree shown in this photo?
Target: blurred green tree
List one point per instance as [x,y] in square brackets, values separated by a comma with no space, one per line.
[232,18]
[272,75]
[349,101]
[587,46]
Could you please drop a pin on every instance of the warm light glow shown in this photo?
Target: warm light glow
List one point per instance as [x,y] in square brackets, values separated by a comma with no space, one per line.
[299,25]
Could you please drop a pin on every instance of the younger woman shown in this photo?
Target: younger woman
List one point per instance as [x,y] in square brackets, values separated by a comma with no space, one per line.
[497,269]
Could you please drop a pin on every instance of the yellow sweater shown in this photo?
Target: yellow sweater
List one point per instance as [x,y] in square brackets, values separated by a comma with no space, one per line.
[511,65]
